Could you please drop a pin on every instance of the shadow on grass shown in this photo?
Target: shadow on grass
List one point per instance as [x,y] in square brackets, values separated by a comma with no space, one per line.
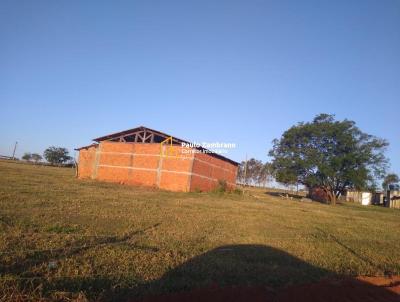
[233,273]
[258,273]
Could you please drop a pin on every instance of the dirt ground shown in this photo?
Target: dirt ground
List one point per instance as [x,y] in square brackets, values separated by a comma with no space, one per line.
[361,289]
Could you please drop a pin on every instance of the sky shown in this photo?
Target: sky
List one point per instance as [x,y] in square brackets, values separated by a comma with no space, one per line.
[214,71]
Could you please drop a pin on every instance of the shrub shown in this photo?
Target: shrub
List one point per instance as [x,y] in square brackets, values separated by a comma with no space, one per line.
[222,186]
[237,191]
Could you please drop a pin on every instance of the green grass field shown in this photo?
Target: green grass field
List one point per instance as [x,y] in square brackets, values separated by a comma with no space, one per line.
[63,238]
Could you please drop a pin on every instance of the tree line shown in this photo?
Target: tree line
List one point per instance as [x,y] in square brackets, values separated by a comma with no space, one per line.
[53,155]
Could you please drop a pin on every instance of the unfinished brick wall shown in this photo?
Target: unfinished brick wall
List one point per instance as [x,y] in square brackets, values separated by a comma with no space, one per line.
[318,194]
[142,164]
[207,170]
[86,161]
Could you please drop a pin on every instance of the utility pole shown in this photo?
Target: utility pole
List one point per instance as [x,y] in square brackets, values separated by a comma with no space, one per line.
[15,148]
[245,171]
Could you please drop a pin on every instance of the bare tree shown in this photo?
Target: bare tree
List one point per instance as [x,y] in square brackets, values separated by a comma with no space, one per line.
[257,173]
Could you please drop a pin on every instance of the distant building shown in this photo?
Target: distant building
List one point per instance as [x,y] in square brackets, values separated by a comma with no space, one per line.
[364,198]
[392,199]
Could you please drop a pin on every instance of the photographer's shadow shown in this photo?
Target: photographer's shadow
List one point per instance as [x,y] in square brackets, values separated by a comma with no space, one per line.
[258,273]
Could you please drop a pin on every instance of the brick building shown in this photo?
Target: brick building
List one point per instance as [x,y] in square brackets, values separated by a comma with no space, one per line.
[143,156]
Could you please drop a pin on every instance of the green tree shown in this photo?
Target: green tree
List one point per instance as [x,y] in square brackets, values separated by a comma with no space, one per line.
[390,179]
[27,156]
[57,155]
[36,157]
[333,155]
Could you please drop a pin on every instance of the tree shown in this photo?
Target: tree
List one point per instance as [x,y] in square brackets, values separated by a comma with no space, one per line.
[254,168]
[257,173]
[57,155]
[390,179]
[333,155]
[27,156]
[36,157]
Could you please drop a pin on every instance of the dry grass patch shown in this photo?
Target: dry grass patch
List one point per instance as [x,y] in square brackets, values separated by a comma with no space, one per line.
[64,238]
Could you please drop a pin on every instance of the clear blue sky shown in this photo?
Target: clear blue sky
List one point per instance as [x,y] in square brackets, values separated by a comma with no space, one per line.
[233,71]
